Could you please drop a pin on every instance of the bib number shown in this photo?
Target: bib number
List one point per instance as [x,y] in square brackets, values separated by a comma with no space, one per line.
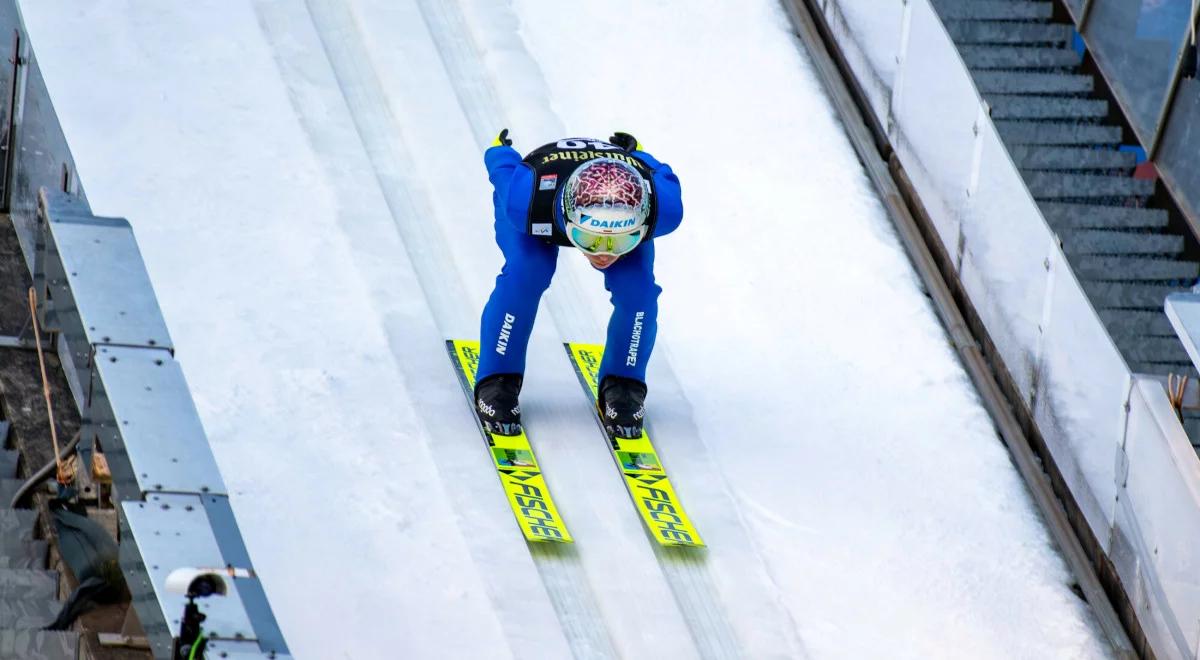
[584,144]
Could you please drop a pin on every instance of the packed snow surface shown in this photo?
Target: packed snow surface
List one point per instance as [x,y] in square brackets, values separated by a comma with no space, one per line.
[307,186]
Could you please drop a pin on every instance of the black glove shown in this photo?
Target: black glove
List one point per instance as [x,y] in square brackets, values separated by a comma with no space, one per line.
[625,141]
[502,139]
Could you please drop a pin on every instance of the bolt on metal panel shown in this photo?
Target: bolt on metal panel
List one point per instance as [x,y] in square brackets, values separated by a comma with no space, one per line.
[162,534]
[142,414]
[230,650]
[95,264]
[254,597]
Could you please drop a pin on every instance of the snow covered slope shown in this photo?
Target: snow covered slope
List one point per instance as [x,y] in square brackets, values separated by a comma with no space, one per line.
[306,183]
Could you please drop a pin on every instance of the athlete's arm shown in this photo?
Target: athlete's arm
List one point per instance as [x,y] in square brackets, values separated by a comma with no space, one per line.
[670,196]
[512,182]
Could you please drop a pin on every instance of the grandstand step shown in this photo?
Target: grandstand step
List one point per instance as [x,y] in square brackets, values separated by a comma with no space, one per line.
[1033,157]
[8,488]
[1112,242]
[1027,132]
[993,10]
[1007,32]
[9,460]
[1161,369]
[1123,335]
[16,525]
[1017,106]
[29,554]
[28,613]
[1122,295]
[1017,57]
[1153,349]
[39,644]
[1191,425]
[25,583]
[1134,268]
[1134,323]
[1056,185]
[1023,82]
[1062,215]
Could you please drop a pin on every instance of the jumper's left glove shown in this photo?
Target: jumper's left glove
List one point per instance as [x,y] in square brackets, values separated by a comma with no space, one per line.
[502,139]
[625,141]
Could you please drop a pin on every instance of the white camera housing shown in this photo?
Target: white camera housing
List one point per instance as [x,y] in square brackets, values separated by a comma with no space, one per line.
[187,581]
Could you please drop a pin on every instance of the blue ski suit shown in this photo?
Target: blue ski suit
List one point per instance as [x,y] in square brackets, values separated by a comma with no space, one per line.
[529,263]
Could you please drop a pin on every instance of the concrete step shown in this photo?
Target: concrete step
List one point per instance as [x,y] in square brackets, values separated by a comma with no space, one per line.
[9,459]
[1008,32]
[1017,106]
[1121,295]
[8,488]
[39,645]
[1113,242]
[28,554]
[1062,215]
[1191,426]
[1019,57]
[28,613]
[18,549]
[991,10]
[16,527]
[1154,349]
[1034,157]
[1046,133]
[1024,82]
[24,583]
[1057,185]
[1135,323]
[1161,369]
[1089,267]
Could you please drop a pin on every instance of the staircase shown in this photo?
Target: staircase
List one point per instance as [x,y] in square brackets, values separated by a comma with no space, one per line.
[27,590]
[1041,100]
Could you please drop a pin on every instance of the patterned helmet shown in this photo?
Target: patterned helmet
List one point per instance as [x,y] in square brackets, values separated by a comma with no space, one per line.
[605,204]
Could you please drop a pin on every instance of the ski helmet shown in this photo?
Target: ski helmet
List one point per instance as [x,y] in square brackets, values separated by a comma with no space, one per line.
[606,203]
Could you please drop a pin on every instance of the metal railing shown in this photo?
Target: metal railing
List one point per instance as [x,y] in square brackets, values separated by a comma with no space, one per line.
[173,506]
[172,503]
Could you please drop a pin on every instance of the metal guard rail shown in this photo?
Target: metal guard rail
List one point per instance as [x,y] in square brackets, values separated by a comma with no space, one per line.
[173,506]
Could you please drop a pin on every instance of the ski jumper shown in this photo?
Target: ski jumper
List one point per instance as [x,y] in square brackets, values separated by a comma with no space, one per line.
[530,229]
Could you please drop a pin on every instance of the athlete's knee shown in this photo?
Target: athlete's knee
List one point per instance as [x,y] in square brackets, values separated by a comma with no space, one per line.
[641,293]
[531,272]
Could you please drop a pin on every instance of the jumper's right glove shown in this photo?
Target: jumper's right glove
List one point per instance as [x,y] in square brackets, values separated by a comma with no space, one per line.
[625,141]
[502,139]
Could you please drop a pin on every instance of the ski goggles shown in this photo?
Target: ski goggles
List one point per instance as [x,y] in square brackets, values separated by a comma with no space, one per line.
[594,243]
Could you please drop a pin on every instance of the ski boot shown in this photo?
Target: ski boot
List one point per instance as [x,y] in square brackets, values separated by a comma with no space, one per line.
[622,405]
[497,405]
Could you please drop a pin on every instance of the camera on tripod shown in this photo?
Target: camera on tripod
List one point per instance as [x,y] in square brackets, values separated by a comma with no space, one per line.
[198,583]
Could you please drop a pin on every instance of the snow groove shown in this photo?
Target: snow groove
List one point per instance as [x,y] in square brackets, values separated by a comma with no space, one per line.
[685,571]
[699,602]
[561,572]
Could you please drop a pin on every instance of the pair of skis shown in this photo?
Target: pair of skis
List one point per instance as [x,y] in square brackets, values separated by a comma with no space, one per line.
[524,484]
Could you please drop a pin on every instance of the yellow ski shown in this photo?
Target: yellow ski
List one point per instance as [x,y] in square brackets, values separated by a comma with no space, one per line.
[645,477]
[515,463]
